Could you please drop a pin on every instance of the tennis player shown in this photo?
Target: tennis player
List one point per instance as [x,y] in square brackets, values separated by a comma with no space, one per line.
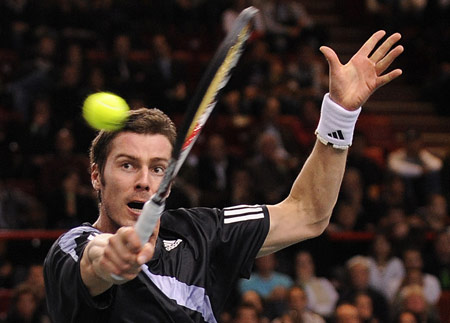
[186,269]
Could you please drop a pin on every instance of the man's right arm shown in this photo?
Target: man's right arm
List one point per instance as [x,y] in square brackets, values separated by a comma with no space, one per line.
[119,254]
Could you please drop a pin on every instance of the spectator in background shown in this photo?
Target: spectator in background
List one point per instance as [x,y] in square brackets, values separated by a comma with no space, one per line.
[359,273]
[434,214]
[403,230]
[298,311]
[270,284]
[346,313]
[393,194]
[67,96]
[25,306]
[352,192]
[405,317]
[230,14]
[418,167]
[255,67]
[412,299]
[64,158]
[287,23]
[364,305]
[414,275]
[166,78]
[40,131]
[438,260]
[34,76]
[19,210]
[215,169]
[445,179]
[371,172]
[320,293]
[287,130]
[253,298]
[345,218]
[71,205]
[7,267]
[242,191]
[246,313]
[124,74]
[309,71]
[269,170]
[384,266]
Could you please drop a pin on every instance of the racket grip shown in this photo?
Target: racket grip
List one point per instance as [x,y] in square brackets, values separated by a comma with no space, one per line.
[146,222]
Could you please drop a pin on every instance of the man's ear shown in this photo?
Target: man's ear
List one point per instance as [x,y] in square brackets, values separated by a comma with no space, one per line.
[95,177]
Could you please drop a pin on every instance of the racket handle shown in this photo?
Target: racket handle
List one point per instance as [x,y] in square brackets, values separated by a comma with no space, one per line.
[146,222]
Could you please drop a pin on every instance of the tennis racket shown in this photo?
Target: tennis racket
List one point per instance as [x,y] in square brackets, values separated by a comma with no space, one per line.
[200,107]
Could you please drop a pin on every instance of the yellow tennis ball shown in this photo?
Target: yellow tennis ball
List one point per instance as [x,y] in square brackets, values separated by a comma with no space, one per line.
[105,111]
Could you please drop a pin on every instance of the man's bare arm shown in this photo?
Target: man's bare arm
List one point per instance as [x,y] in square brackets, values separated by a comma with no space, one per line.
[306,212]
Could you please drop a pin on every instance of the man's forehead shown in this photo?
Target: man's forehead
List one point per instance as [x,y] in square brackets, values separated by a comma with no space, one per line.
[137,144]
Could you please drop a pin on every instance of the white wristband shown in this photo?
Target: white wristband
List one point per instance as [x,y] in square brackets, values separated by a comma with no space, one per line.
[336,124]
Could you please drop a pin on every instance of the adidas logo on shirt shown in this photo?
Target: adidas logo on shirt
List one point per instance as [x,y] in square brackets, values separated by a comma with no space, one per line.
[171,244]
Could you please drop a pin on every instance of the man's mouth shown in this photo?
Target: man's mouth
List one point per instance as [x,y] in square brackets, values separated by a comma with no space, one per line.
[136,206]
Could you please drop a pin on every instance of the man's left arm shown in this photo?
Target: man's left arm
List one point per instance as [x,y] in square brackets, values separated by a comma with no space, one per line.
[306,212]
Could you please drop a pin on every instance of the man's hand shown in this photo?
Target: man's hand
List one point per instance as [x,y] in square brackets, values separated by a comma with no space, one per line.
[119,254]
[353,83]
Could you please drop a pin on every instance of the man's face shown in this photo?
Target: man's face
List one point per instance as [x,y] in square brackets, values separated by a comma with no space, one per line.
[133,171]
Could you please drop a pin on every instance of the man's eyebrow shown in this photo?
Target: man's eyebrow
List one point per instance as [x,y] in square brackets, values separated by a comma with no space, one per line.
[134,158]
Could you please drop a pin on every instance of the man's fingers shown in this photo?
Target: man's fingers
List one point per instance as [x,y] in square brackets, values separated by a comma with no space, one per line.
[146,253]
[382,80]
[381,51]
[383,64]
[370,44]
[129,239]
[331,56]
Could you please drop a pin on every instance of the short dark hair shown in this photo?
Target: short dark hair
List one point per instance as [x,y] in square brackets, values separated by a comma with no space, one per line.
[140,121]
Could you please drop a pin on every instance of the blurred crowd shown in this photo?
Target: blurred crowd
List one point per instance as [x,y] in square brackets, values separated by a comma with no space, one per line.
[53,53]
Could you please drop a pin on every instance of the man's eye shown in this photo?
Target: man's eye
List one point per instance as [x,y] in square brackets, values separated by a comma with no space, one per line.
[159,170]
[127,166]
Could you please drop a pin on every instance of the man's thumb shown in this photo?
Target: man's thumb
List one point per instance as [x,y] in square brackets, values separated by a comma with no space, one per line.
[330,55]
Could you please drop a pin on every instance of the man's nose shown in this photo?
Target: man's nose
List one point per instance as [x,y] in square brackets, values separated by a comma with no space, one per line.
[143,180]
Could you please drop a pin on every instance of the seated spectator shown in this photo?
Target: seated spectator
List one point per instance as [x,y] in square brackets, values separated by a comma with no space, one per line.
[320,293]
[358,270]
[412,298]
[384,265]
[345,218]
[25,306]
[287,23]
[404,231]
[371,171]
[270,284]
[438,260]
[405,317]
[346,313]
[71,206]
[364,305]
[417,166]
[7,267]
[268,169]
[297,308]
[253,298]
[414,275]
[18,209]
[246,313]
[215,168]
[435,213]
[65,158]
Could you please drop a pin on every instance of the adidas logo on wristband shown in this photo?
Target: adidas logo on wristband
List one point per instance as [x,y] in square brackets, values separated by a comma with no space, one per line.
[337,135]
[336,124]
